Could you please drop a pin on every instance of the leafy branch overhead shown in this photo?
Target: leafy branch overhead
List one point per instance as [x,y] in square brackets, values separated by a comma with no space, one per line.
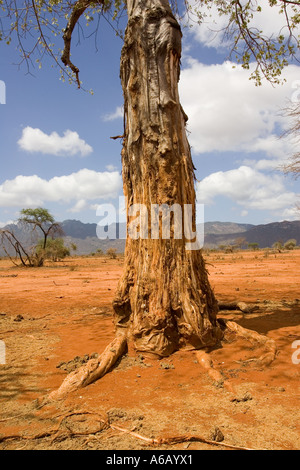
[36,24]
[247,43]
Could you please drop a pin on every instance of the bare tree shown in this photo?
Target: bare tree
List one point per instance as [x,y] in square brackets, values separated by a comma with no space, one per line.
[15,250]
[164,300]
[40,223]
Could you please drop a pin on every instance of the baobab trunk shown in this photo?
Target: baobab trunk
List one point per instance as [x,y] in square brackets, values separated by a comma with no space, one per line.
[164,299]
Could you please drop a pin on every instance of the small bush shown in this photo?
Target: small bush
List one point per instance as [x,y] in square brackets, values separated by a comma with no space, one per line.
[290,244]
[111,253]
[55,249]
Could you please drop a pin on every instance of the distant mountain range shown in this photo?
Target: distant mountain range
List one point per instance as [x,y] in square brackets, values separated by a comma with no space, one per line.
[264,235]
[84,235]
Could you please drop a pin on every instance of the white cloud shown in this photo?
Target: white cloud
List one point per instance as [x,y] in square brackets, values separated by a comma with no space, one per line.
[117,114]
[78,187]
[79,206]
[248,188]
[3,224]
[227,112]
[209,32]
[35,140]
[111,167]
[291,213]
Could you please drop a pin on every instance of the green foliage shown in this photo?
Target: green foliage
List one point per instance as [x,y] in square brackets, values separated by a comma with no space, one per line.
[37,220]
[55,249]
[38,217]
[253,246]
[37,27]
[248,43]
[290,244]
[36,24]
[73,247]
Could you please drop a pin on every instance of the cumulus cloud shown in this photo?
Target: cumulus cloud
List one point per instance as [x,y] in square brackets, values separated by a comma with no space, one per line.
[117,114]
[228,113]
[85,185]
[209,32]
[291,213]
[79,206]
[35,140]
[248,188]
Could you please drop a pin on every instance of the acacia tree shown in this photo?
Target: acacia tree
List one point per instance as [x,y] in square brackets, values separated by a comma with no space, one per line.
[164,300]
[40,223]
[40,219]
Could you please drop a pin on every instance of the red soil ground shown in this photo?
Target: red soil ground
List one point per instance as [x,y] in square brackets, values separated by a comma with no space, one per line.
[50,315]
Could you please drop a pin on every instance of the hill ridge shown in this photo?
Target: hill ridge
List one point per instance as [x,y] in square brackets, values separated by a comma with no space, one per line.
[84,235]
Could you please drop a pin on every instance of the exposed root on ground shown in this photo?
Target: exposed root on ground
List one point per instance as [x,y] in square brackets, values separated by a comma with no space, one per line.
[93,370]
[96,368]
[260,340]
[206,362]
[102,423]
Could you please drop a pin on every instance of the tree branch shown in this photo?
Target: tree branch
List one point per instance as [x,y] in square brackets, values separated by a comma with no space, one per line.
[79,8]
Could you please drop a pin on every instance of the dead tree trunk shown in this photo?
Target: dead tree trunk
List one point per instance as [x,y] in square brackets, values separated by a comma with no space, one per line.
[164,301]
[164,298]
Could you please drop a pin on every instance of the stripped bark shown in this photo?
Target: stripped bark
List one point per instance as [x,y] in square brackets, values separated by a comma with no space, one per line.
[164,298]
[164,301]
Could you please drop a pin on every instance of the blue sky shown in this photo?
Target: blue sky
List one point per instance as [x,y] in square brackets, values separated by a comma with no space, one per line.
[56,150]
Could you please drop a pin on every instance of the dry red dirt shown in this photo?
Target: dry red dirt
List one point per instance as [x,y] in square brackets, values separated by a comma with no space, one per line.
[50,315]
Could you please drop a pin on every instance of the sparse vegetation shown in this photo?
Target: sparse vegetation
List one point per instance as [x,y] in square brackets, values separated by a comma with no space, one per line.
[73,247]
[278,246]
[174,307]
[253,246]
[55,250]
[35,221]
[290,244]
[111,253]
[240,242]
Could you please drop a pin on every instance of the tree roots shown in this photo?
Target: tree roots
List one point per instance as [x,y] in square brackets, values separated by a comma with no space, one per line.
[270,348]
[96,368]
[102,423]
[93,370]
[270,351]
